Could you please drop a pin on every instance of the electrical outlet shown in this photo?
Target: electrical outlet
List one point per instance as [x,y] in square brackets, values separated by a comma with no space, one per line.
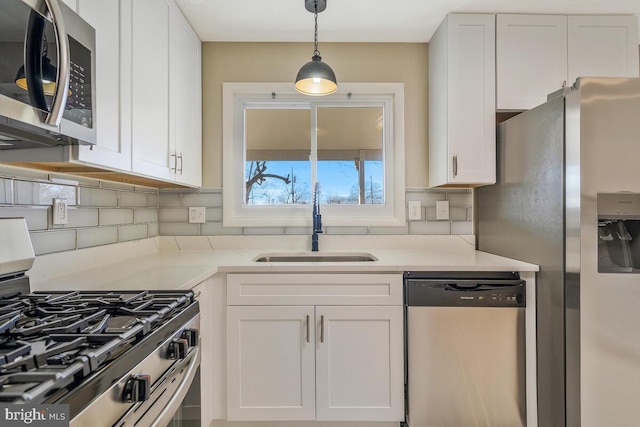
[60,212]
[197,215]
[442,209]
[415,210]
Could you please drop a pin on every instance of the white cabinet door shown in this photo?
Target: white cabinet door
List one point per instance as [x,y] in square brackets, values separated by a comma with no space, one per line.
[152,153]
[359,364]
[462,102]
[186,99]
[539,54]
[602,46]
[532,59]
[112,20]
[270,363]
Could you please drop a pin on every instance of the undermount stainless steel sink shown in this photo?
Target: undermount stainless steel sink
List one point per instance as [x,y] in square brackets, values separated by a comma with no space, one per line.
[315,257]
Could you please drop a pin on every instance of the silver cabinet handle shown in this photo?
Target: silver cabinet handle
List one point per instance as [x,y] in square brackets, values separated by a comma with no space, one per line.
[321,328]
[64,71]
[175,162]
[308,337]
[179,170]
[455,165]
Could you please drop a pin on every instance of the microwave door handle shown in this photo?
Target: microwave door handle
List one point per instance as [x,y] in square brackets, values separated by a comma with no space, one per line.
[64,71]
[33,60]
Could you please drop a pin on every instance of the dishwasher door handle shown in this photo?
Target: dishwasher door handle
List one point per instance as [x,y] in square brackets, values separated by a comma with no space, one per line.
[473,287]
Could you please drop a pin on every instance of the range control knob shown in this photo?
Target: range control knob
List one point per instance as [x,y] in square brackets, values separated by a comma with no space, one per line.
[178,348]
[137,388]
[191,335]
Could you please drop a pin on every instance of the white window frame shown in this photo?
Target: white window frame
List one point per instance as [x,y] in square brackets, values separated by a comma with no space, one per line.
[235,96]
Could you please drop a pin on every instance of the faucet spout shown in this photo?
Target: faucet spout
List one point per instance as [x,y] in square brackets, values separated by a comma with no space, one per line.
[317,218]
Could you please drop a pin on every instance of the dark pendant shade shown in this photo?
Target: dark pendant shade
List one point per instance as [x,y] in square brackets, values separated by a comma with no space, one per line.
[316,78]
[49,75]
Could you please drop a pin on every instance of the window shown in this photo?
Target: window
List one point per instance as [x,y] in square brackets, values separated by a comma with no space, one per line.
[278,143]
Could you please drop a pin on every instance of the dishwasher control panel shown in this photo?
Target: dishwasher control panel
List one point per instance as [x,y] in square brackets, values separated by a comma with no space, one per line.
[465,292]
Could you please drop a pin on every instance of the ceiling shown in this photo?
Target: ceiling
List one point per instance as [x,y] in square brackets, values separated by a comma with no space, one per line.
[400,21]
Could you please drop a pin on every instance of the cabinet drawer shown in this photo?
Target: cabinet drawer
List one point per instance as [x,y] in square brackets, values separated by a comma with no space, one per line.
[314,289]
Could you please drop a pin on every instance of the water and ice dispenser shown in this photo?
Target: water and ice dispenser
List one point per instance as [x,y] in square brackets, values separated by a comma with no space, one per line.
[618,233]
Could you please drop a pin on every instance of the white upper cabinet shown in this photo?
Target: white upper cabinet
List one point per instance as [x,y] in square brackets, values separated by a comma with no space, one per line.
[166,94]
[462,136]
[601,46]
[113,84]
[531,55]
[152,153]
[539,54]
[185,97]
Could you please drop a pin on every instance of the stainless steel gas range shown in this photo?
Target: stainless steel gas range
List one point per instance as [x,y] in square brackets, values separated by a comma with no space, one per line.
[119,358]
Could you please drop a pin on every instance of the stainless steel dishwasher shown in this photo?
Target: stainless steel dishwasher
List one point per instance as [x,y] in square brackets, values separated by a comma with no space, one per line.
[465,349]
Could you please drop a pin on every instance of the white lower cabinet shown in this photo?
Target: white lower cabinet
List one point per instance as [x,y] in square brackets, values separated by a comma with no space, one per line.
[270,364]
[315,362]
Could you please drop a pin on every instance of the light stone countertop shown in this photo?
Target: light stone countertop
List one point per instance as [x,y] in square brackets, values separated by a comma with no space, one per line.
[183,262]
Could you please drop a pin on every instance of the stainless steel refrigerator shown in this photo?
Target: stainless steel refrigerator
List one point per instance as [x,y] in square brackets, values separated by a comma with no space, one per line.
[567,198]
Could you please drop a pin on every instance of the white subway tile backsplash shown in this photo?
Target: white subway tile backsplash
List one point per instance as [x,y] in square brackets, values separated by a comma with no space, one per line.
[145,215]
[152,200]
[213,214]
[261,231]
[460,199]
[173,215]
[202,199]
[345,230]
[88,237]
[431,198]
[298,230]
[216,229]
[132,199]
[46,242]
[28,194]
[461,227]
[153,229]
[6,191]
[430,227]
[179,229]
[97,197]
[39,193]
[389,230]
[132,232]
[430,213]
[167,200]
[115,216]
[457,213]
[82,217]
[37,217]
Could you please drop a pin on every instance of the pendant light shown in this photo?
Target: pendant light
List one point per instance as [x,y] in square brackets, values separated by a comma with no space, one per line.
[48,72]
[315,77]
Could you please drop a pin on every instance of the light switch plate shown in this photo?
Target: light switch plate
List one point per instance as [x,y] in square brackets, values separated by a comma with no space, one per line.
[197,215]
[442,209]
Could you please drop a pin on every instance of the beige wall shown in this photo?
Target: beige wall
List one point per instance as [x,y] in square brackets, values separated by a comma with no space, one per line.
[352,62]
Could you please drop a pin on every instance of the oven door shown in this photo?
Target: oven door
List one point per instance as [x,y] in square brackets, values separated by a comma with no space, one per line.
[46,75]
[189,412]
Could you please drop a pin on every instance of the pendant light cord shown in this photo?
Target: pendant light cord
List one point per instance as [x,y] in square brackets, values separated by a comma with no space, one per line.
[316,52]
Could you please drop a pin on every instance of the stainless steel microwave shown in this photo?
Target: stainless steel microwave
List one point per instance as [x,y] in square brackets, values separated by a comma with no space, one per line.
[47,75]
